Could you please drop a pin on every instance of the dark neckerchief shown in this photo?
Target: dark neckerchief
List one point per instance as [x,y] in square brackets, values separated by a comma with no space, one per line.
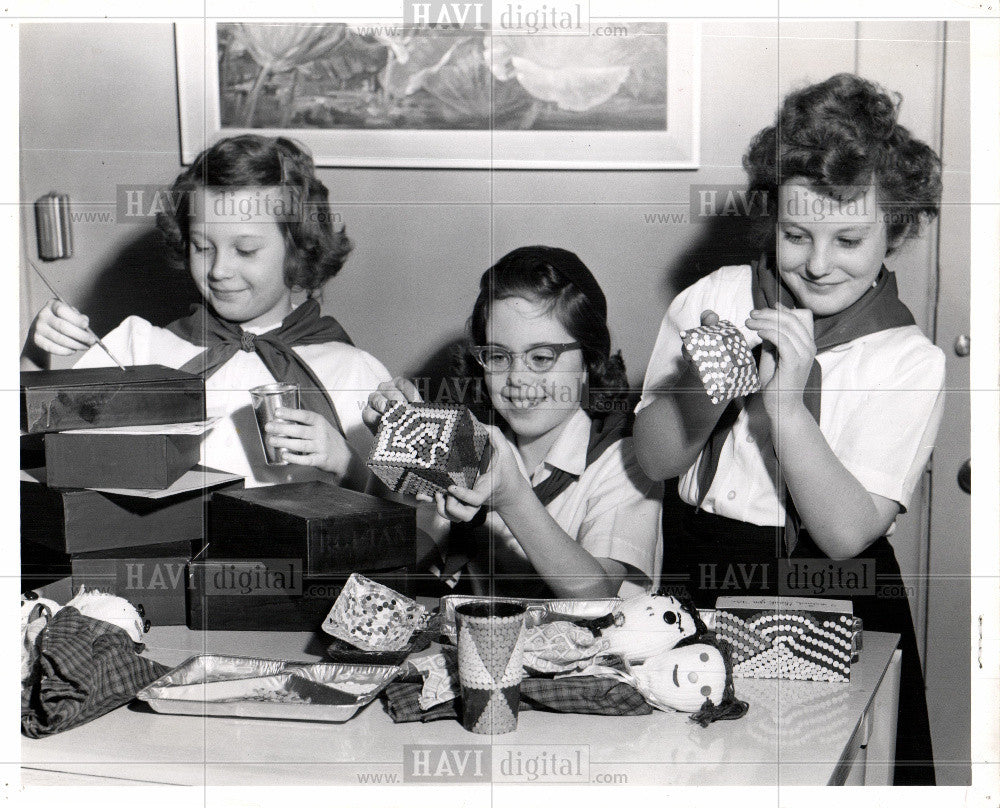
[303,326]
[604,433]
[878,309]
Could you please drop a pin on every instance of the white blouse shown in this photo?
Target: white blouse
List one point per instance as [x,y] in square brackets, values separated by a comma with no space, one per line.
[613,510]
[233,444]
[881,405]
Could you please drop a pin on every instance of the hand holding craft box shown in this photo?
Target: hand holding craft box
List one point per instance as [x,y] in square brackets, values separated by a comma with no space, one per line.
[56,400]
[722,359]
[424,448]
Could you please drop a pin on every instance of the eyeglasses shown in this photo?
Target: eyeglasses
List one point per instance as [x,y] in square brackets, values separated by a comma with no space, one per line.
[539,358]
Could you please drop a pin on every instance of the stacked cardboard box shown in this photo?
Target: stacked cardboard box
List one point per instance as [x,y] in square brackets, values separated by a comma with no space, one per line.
[118,505]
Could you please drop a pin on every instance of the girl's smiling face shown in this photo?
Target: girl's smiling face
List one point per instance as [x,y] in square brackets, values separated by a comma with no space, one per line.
[829,252]
[237,261]
[534,404]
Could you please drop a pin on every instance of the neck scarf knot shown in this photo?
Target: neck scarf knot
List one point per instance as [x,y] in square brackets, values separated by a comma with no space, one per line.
[222,340]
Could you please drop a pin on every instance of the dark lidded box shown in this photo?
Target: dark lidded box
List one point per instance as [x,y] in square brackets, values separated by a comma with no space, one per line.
[77,520]
[84,398]
[327,528]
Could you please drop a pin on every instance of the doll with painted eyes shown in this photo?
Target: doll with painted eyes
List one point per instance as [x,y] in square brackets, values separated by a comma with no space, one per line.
[672,657]
[646,625]
[690,675]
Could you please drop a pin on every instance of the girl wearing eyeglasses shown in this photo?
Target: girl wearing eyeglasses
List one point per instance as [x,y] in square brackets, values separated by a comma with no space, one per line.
[563,509]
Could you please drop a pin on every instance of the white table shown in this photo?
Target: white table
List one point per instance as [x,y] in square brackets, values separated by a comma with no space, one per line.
[796,733]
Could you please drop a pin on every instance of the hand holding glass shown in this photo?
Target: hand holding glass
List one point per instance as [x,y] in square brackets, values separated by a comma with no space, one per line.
[267,399]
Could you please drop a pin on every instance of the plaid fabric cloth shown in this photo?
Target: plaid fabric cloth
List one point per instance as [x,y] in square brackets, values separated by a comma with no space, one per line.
[85,668]
[592,695]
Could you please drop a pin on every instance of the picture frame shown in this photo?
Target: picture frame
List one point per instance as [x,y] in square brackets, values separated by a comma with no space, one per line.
[554,125]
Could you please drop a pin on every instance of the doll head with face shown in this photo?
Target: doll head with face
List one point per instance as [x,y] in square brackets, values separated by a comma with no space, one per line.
[647,625]
[693,677]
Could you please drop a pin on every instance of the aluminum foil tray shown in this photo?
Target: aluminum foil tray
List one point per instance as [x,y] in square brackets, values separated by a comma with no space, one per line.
[538,609]
[245,687]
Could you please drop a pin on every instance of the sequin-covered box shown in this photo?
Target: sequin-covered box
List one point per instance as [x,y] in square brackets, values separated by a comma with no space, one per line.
[424,448]
[722,359]
[373,617]
[789,638]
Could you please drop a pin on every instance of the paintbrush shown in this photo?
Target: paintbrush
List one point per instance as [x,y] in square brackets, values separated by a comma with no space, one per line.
[59,298]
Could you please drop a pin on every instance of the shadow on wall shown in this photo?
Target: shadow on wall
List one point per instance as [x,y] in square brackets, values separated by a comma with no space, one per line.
[139,280]
[444,378]
[725,240]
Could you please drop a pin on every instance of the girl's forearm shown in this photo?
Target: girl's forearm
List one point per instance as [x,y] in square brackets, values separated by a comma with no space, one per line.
[838,512]
[671,431]
[567,568]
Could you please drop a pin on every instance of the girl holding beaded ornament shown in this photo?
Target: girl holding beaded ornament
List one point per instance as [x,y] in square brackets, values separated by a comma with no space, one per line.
[250,221]
[563,508]
[816,466]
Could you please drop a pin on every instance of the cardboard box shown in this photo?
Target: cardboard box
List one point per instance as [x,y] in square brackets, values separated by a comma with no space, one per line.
[271,595]
[40,565]
[154,576]
[102,460]
[77,520]
[83,398]
[328,528]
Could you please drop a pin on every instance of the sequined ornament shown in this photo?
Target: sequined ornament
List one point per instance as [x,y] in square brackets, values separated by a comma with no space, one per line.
[722,359]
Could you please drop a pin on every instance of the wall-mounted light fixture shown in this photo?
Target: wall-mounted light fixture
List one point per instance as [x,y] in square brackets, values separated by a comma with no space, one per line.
[52,222]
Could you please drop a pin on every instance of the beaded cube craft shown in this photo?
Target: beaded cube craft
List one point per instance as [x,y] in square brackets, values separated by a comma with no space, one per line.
[424,448]
[783,642]
[722,359]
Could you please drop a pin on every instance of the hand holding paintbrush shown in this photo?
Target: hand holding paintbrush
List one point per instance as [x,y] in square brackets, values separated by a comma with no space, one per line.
[61,329]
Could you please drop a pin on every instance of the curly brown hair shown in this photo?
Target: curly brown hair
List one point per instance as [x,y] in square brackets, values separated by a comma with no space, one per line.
[315,250]
[842,136]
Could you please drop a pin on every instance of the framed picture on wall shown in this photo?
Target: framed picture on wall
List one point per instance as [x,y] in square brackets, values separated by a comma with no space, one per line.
[371,95]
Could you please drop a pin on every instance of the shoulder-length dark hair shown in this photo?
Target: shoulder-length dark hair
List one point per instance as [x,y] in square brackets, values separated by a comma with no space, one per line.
[315,250]
[842,136]
[558,279]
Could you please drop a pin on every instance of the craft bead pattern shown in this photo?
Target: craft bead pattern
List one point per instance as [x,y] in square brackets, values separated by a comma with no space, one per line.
[722,359]
[490,668]
[373,617]
[424,448]
[791,645]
